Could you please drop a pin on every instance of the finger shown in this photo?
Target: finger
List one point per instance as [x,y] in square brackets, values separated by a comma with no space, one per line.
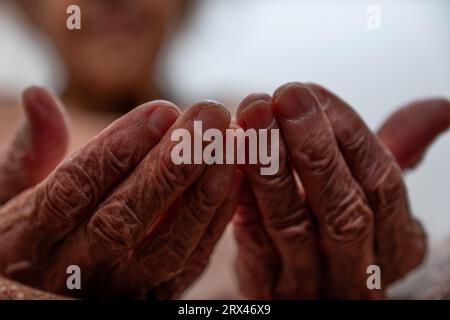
[200,257]
[81,181]
[258,262]
[345,220]
[139,201]
[164,252]
[62,201]
[40,144]
[288,222]
[400,240]
[144,196]
[421,122]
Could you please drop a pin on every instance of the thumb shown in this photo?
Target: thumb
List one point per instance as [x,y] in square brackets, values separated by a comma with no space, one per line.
[39,145]
[411,130]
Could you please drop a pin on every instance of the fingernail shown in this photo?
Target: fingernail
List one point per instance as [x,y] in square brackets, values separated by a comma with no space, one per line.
[212,115]
[256,112]
[321,94]
[162,118]
[295,101]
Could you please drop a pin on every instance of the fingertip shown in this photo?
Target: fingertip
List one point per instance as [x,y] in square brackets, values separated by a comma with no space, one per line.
[255,111]
[32,90]
[211,114]
[287,88]
[35,99]
[294,100]
[161,115]
[41,99]
[217,106]
[443,105]
[43,107]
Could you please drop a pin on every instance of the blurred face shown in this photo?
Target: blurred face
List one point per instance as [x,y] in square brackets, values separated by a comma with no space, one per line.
[119,40]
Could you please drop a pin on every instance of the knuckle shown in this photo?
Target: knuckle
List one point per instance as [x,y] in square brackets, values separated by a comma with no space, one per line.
[120,207]
[203,203]
[318,155]
[68,193]
[355,143]
[176,174]
[386,190]
[114,228]
[296,226]
[199,212]
[170,176]
[117,159]
[296,235]
[169,242]
[209,195]
[269,185]
[350,220]
[215,181]
[353,135]
[279,178]
[166,178]
[338,188]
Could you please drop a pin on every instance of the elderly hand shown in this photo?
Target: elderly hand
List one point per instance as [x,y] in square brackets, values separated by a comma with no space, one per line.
[135,223]
[40,144]
[338,203]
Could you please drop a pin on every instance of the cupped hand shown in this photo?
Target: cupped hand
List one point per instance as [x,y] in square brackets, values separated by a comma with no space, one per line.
[136,224]
[338,203]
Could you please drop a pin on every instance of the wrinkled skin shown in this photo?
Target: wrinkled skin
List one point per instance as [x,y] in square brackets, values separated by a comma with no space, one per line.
[136,224]
[338,203]
[93,209]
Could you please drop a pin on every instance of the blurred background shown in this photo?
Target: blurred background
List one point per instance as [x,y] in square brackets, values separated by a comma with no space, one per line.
[234,47]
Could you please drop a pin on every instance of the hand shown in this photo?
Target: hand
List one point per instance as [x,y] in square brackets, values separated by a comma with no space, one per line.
[315,236]
[136,224]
